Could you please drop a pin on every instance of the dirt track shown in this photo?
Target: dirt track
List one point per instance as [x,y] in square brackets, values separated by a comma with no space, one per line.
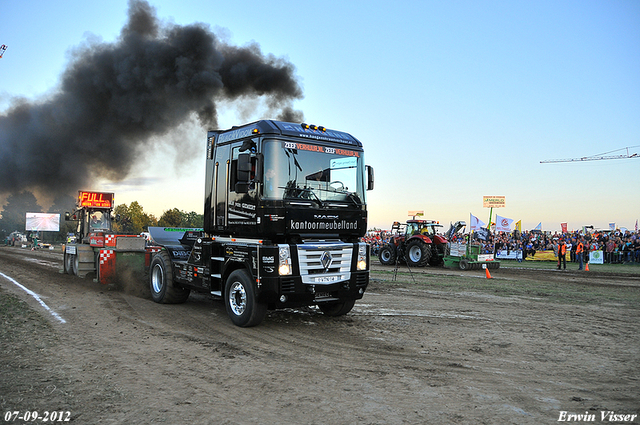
[404,355]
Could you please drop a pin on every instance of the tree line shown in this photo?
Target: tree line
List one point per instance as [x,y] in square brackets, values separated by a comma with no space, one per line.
[129,219]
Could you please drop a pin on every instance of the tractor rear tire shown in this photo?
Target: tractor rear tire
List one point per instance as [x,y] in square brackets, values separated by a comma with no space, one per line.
[417,253]
[68,262]
[163,289]
[388,255]
[85,261]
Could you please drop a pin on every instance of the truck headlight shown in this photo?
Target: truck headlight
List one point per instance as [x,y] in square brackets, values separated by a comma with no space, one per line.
[284,260]
[362,257]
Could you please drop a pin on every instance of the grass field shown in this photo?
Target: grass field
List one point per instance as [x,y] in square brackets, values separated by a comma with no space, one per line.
[631,268]
[600,290]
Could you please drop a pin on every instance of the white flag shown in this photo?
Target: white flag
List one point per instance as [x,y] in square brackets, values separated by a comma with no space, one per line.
[503,224]
[475,223]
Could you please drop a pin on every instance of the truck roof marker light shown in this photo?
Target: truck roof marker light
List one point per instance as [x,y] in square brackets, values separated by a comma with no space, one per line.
[255,131]
[305,126]
[313,127]
[321,128]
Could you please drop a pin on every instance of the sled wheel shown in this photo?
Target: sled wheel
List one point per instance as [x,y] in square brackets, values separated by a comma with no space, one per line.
[464,264]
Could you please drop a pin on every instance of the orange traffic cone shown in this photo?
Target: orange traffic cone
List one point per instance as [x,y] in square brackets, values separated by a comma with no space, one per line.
[486,269]
[586,267]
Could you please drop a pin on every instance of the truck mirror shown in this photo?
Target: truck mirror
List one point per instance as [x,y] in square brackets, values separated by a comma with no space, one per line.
[244,167]
[370,179]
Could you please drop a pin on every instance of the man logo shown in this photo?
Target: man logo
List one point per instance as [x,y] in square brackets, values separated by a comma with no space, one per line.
[326,260]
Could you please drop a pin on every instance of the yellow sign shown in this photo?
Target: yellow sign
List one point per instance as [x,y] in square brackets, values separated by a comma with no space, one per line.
[493,201]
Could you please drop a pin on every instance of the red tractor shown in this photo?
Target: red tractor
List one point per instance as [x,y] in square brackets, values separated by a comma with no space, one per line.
[415,242]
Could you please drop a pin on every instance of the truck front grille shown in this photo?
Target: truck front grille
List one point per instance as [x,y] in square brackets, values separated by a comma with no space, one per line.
[325,262]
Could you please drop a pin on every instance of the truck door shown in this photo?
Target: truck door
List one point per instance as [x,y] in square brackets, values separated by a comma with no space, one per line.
[220,184]
[241,209]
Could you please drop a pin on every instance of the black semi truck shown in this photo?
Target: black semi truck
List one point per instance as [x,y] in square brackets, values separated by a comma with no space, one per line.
[284,211]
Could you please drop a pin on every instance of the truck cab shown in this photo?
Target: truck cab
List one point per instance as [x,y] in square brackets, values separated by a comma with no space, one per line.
[284,211]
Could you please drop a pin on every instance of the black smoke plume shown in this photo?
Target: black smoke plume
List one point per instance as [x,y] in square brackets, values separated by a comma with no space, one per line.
[116,100]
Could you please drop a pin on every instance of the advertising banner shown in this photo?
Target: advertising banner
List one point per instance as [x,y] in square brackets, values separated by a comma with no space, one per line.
[493,201]
[509,255]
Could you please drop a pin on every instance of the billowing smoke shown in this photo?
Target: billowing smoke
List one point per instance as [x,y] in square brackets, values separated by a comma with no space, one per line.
[116,99]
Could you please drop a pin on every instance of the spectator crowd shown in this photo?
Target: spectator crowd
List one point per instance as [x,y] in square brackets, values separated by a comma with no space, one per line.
[617,246]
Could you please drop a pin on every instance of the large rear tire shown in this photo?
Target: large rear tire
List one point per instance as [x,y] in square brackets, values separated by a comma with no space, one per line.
[437,255]
[387,255]
[243,307]
[335,309]
[417,253]
[163,289]
[68,262]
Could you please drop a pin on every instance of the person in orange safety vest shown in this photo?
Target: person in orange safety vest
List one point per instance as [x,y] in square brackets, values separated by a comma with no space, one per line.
[562,250]
[580,253]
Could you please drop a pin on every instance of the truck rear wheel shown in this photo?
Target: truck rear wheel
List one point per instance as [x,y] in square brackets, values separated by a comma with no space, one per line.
[387,255]
[339,308]
[418,253]
[163,288]
[240,299]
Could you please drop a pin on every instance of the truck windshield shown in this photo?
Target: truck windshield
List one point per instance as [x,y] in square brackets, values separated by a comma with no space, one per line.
[313,172]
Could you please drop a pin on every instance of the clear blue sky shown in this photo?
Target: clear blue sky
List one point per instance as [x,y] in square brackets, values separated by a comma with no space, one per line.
[452,100]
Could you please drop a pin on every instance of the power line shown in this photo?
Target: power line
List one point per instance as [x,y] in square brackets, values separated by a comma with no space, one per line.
[600,156]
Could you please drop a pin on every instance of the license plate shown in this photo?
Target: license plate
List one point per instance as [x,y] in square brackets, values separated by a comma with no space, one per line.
[321,295]
[70,249]
[326,279]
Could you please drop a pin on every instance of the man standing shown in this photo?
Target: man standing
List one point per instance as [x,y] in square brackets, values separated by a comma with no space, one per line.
[579,252]
[562,250]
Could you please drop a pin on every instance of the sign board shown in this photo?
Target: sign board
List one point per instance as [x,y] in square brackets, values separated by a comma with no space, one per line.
[485,257]
[596,257]
[42,222]
[509,255]
[95,199]
[416,213]
[458,249]
[493,201]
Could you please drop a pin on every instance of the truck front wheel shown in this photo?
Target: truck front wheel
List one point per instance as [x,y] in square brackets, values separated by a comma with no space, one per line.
[240,299]
[163,289]
[339,308]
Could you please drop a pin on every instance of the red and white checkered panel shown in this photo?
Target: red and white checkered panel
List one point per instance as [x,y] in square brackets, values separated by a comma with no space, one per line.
[107,266]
